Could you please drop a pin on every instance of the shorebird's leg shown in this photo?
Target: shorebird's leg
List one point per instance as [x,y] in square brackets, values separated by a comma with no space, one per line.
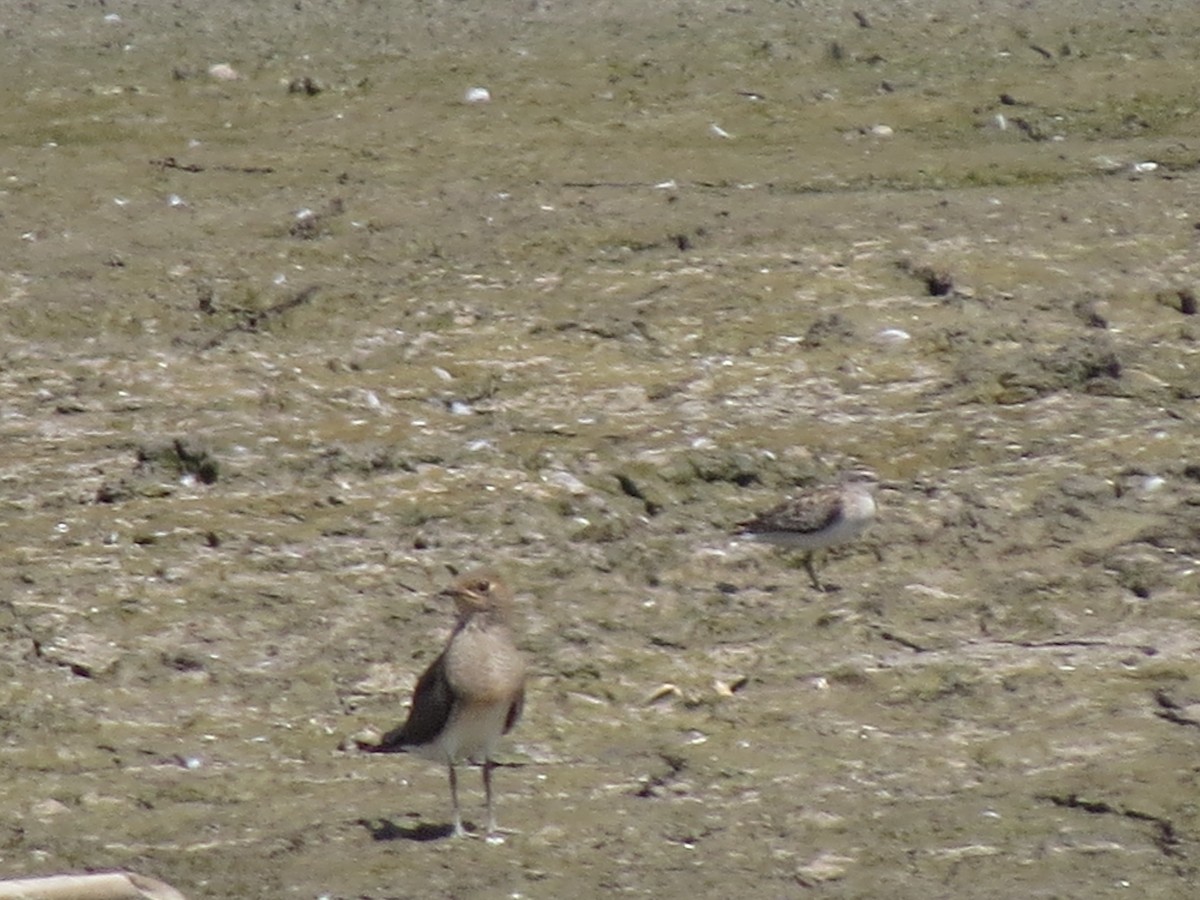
[808,567]
[488,765]
[459,831]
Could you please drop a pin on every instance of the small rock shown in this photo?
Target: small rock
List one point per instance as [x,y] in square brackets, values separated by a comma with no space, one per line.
[1093,312]
[48,808]
[84,654]
[310,87]
[938,282]
[832,328]
[223,72]
[181,456]
[825,867]
[563,479]
[306,225]
[360,740]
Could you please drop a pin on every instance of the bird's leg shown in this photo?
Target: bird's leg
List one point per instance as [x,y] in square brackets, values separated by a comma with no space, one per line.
[459,831]
[808,567]
[488,765]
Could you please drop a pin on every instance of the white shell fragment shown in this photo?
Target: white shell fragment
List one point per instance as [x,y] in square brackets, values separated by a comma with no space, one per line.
[892,336]
[1152,483]
[477,95]
[729,687]
[661,692]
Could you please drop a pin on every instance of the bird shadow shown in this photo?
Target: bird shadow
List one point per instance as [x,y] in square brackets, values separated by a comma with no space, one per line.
[387,830]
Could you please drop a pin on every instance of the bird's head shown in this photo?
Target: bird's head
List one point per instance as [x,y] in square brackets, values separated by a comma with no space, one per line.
[480,591]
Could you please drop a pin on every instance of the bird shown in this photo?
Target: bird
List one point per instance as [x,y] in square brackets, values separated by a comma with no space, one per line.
[817,518]
[472,694]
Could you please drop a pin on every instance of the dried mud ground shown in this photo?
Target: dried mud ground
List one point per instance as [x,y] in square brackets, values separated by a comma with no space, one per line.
[578,332]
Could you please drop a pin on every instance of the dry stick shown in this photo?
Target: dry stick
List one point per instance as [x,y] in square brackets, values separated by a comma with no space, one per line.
[104,886]
[256,320]
[169,162]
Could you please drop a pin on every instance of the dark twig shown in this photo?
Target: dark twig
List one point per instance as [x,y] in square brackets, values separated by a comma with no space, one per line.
[1167,839]
[254,320]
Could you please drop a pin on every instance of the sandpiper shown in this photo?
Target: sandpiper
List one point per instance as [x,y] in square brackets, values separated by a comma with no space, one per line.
[472,694]
[817,518]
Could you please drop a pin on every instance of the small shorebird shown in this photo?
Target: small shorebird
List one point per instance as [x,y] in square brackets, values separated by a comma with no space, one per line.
[817,518]
[472,694]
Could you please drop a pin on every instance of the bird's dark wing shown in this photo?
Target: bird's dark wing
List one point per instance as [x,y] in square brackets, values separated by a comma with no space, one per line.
[432,701]
[514,711]
[802,515]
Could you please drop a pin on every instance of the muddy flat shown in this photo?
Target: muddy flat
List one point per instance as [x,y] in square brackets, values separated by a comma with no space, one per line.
[305,307]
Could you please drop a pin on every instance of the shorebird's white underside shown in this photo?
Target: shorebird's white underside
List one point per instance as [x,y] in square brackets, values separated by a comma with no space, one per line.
[472,732]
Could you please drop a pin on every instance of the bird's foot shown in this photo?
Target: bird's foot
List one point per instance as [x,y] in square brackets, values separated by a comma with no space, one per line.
[496,835]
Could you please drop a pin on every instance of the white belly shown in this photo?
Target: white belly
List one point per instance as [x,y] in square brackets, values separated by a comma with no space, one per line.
[471,733]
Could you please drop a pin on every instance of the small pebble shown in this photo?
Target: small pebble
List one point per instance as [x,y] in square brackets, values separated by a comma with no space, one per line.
[223,72]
